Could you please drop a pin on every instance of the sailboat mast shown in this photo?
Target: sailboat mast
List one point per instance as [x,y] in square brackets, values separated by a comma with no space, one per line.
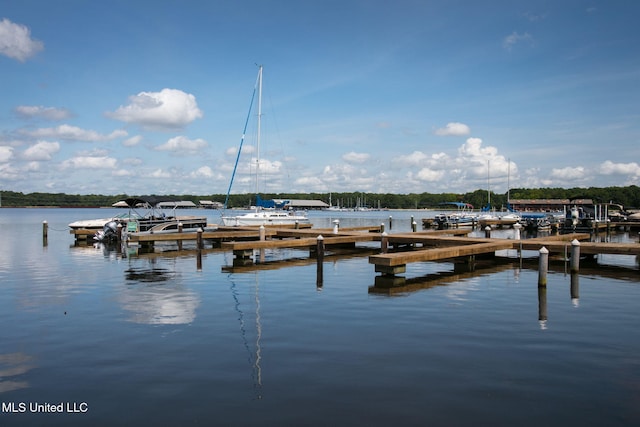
[259,124]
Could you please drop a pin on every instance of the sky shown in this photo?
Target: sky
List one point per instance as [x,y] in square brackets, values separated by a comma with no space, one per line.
[410,96]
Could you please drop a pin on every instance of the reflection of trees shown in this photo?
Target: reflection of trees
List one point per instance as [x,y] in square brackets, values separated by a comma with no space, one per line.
[156,296]
[13,365]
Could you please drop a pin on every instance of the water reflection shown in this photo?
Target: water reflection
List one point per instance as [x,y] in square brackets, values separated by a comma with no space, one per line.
[156,295]
[254,355]
[12,366]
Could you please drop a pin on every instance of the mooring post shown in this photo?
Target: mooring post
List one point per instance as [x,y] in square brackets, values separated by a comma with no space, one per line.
[336,226]
[45,233]
[412,221]
[384,243]
[179,240]
[575,256]
[199,239]
[320,259]
[517,226]
[297,224]
[414,226]
[487,232]
[543,266]
[119,233]
[262,233]
[391,222]
[382,227]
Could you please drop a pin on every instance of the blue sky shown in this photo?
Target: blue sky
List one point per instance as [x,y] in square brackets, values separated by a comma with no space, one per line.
[144,97]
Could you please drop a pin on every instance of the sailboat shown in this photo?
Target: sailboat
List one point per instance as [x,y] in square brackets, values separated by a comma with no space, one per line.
[261,215]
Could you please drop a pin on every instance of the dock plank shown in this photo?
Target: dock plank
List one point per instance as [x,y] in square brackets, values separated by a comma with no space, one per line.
[402,258]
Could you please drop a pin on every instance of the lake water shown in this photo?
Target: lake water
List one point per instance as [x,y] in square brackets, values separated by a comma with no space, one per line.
[150,339]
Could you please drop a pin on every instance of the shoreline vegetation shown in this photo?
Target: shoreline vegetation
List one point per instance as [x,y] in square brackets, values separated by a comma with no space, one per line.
[628,196]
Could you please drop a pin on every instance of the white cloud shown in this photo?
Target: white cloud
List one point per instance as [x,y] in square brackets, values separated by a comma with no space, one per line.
[38,111]
[202,172]
[610,168]
[159,173]
[167,109]
[515,38]
[6,153]
[73,133]
[42,150]
[134,140]
[16,41]
[90,162]
[453,129]
[354,157]
[183,145]
[568,173]
[429,175]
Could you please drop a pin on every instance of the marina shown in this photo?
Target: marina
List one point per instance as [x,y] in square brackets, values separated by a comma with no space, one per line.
[260,340]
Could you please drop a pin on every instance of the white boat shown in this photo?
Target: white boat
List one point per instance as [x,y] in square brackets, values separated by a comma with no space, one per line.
[154,219]
[261,215]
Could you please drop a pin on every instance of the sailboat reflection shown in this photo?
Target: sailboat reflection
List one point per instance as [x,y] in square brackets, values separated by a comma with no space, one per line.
[254,355]
[156,295]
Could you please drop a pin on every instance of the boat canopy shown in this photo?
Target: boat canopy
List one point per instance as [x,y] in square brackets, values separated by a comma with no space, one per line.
[459,205]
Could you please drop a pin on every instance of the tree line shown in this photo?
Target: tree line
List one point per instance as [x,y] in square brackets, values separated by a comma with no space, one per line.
[628,196]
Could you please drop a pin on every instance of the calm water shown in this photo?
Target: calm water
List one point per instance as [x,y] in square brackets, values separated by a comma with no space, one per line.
[151,340]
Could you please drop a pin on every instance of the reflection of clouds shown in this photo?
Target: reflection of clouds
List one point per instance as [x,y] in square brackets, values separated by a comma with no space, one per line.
[458,291]
[13,365]
[153,296]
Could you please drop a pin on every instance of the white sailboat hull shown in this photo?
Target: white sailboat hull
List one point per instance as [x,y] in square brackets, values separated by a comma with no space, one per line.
[265,218]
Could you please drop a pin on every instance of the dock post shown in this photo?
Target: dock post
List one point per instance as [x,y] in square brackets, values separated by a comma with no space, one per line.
[199,238]
[414,226]
[382,227]
[45,232]
[336,226]
[543,266]
[384,243]
[119,232]
[487,232]
[517,226]
[180,240]
[575,256]
[411,223]
[262,233]
[390,222]
[297,224]
[320,260]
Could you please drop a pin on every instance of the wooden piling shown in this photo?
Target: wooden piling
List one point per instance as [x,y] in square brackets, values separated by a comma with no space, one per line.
[390,222]
[543,266]
[575,256]
[487,232]
[575,289]
[199,238]
[320,259]
[542,306]
[384,243]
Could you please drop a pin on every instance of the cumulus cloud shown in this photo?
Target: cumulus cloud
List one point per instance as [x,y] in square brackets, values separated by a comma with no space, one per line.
[38,111]
[568,173]
[514,38]
[16,41]
[610,168]
[89,162]
[453,129]
[429,175]
[6,153]
[183,145]
[202,172]
[354,157]
[167,109]
[42,150]
[73,133]
[134,140]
